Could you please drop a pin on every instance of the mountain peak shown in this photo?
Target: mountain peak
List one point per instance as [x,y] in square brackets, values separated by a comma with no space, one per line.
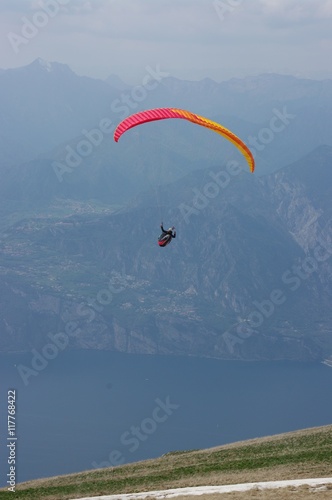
[43,64]
[40,64]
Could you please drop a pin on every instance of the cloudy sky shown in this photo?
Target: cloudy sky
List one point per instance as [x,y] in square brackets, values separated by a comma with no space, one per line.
[189,39]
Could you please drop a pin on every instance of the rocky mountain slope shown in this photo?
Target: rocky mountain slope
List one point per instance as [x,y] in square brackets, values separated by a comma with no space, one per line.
[248,277]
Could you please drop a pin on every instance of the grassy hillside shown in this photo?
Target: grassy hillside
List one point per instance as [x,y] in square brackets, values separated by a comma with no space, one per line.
[295,455]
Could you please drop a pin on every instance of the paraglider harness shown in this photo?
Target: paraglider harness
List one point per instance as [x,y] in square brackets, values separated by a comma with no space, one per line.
[166,236]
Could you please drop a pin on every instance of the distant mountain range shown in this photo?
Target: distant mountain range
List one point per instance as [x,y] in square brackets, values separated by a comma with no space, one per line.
[249,274]
[45,107]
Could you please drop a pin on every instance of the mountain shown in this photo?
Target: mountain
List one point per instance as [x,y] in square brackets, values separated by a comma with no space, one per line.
[248,276]
[250,98]
[116,82]
[304,105]
[46,107]
[44,104]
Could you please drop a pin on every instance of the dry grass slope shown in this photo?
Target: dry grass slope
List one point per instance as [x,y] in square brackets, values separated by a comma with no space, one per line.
[295,455]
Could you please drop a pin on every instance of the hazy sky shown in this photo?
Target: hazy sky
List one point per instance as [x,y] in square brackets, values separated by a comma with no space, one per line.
[189,39]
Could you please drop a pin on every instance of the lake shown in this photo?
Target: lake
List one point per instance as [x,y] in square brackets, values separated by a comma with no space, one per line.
[88,409]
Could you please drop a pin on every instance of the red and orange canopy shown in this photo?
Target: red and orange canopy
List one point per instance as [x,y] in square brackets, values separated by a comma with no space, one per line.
[164,113]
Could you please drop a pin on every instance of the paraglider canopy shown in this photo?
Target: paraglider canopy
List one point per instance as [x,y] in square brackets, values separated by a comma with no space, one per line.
[164,113]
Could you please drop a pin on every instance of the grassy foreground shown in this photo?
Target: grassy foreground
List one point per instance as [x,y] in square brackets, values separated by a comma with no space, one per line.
[302,454]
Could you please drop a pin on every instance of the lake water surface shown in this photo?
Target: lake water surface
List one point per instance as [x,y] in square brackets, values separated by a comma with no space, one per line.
[89,409]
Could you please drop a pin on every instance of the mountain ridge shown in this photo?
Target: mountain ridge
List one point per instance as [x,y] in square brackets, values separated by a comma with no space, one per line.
[205,295]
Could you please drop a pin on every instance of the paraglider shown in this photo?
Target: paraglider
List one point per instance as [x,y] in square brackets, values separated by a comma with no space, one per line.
[164,113]
[166,236]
